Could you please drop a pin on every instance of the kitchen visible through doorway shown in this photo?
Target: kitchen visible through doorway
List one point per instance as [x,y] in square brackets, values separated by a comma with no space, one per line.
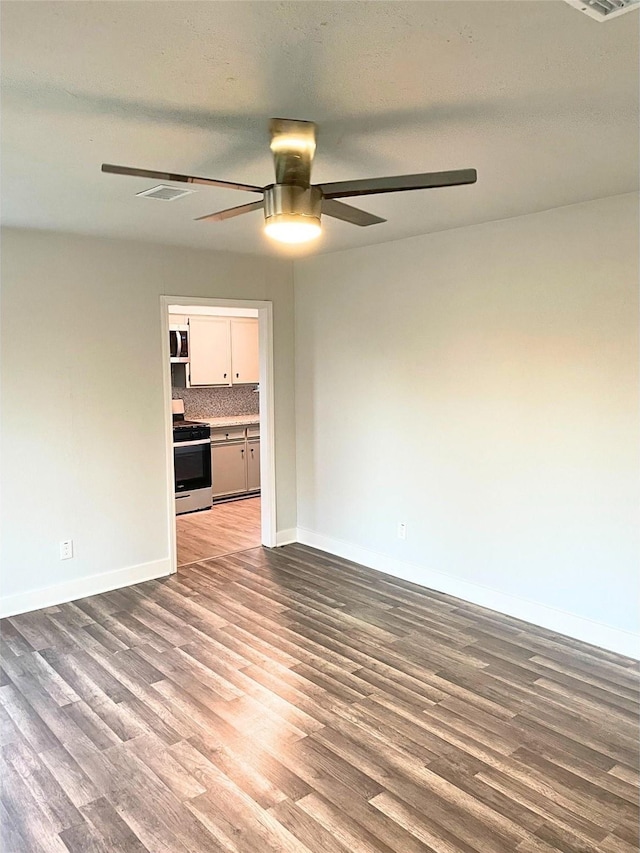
[219,390]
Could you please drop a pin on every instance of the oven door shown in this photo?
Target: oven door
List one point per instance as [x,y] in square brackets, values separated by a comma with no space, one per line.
[192,463]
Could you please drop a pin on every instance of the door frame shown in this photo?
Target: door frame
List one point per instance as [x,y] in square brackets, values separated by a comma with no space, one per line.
[267,412]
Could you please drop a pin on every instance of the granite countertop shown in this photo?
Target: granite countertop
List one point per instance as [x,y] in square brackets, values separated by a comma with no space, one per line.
[229,420]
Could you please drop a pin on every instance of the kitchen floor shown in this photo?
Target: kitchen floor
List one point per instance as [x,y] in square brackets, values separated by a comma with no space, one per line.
[224,529]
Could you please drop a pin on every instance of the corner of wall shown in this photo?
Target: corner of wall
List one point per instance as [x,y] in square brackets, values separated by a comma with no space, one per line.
[559,621]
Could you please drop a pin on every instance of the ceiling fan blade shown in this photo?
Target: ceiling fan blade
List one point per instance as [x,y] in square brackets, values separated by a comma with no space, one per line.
[399,183]
[338,210]
[293,145]
[169,176]
[230,212]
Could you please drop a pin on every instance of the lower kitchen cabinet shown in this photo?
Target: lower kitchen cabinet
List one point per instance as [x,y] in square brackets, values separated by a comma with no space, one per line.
[235,462]
[253,465]
[229,468]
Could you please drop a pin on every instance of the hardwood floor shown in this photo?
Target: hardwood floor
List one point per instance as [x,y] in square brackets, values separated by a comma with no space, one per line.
[290,701]
[225,528]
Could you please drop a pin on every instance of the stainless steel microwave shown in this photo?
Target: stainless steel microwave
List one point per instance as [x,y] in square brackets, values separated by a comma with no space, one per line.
[179,344]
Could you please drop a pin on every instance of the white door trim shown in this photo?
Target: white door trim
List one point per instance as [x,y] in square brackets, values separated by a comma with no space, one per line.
[267,413]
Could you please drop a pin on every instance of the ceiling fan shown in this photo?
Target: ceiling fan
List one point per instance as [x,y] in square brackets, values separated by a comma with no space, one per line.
[292,205]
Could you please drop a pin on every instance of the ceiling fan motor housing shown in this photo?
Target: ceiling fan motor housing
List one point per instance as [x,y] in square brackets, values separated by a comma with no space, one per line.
[284,202]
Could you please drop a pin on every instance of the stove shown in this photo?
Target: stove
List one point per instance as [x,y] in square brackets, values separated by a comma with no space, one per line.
[192,464]
[189,430]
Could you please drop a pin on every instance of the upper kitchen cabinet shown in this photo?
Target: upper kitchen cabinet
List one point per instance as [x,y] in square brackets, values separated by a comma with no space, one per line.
[223,350]
[245,357]
[210,344]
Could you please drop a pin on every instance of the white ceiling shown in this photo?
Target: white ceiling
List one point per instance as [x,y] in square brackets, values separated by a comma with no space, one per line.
[540,99]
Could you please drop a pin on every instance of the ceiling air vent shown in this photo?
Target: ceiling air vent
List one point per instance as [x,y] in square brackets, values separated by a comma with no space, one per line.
[165,193]
[603,10]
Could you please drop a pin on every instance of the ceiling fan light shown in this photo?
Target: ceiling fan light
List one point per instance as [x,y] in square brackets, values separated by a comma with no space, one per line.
[292,227]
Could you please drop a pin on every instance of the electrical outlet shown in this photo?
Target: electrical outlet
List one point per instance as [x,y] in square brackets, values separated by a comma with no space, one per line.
[402,530]
[66,549]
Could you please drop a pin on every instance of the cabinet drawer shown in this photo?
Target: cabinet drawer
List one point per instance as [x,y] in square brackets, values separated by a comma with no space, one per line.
[253,431]
[227,433]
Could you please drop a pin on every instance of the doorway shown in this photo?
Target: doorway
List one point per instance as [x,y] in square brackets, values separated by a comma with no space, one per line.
[235,400]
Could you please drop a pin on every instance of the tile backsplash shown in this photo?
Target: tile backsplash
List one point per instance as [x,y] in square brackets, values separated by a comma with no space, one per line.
[218,402]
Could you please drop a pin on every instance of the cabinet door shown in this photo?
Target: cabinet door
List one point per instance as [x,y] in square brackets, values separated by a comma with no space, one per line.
[229,468]
[177,320]
[209,351]
[253,465]
[245,359]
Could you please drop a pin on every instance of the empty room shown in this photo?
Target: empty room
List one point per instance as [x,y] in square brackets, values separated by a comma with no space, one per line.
[319,426]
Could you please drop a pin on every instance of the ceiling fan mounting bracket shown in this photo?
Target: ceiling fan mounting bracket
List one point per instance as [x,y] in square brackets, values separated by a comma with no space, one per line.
[293,145]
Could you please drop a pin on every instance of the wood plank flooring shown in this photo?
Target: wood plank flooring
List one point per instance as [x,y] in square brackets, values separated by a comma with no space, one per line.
[223,529]
[289,701]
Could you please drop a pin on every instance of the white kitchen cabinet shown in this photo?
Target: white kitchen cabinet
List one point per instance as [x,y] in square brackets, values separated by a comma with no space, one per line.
[245,357]
[210,349]
[235,461]
[253,465]
[177,320]
[229,468]
[223,350]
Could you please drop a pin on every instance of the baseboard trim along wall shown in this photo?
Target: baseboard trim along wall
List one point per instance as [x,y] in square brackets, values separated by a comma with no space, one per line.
[286,537]
[578,627]
[24,602]
[587,630]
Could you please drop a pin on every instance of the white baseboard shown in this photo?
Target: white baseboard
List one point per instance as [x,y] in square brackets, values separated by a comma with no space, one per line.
[578,627]
[286,537]
[24,602]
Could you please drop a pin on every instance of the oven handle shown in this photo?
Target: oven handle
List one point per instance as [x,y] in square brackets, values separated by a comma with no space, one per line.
[178,344]
[191,443]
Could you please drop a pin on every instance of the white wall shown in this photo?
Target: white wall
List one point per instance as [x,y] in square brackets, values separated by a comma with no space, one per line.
[83,443]
[481,385]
